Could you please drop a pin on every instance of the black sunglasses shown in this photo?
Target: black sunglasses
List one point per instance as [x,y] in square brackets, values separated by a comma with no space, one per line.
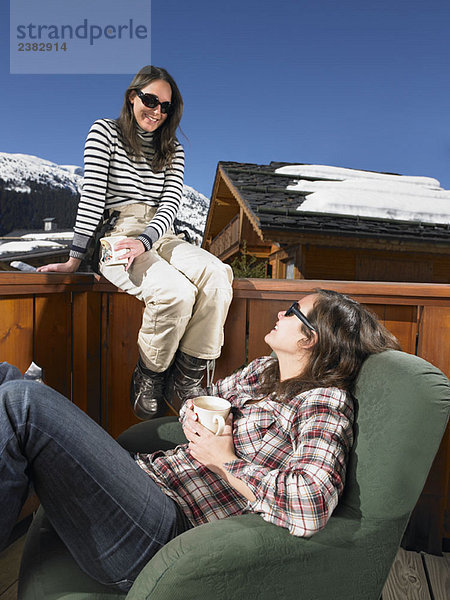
[295,310]
[152,101]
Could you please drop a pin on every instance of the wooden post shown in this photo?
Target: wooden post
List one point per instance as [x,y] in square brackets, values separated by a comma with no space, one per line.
[86,352]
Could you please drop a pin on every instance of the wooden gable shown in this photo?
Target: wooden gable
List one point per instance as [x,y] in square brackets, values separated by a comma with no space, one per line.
[230,222]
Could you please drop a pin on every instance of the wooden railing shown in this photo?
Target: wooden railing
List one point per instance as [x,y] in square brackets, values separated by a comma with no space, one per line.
[227,239]
[82,331]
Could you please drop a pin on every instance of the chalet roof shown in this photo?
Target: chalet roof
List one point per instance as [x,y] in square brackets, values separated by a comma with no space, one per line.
[275,197]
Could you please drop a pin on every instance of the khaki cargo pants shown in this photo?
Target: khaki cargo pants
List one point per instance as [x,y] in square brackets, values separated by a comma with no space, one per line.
[186,290]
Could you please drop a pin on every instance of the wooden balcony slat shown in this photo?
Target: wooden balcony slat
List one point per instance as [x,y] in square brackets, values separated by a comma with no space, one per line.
[16,331]
[402,321]
[434,340]
[234,354]
[52,339]
[120,353]
[86,352]
[262,316]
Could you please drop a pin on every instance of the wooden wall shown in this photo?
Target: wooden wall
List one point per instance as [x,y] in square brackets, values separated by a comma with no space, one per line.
[82,331]
[358,263]
[363,264]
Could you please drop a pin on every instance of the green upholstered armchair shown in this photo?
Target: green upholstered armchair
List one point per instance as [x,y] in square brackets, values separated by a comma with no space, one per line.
[403,405]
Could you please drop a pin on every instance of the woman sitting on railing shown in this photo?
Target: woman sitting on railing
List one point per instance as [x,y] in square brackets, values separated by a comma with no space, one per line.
[283,452]
[133,177]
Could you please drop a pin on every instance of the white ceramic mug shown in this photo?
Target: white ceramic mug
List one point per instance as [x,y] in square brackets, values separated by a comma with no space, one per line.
[212,412]
[109,255]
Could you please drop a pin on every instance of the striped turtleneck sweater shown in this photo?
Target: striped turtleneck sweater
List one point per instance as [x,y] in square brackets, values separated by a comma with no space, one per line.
[112,179]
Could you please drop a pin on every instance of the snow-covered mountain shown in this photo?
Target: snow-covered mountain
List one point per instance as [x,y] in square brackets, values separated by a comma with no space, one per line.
[19,171]
[192,215]
[28,181]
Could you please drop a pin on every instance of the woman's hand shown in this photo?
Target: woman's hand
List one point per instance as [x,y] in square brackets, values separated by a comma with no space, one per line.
[213,451]
[69,266]
[210,450]
[134,248]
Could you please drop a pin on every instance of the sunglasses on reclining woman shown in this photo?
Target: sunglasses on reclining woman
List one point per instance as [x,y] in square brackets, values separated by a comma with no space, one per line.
[152,101]
[295,310]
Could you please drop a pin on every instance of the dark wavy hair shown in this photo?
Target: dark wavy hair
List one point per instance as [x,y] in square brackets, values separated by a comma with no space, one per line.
[164,138]
[347,334]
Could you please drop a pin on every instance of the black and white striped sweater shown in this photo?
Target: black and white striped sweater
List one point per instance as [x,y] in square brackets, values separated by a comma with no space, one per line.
[112,179]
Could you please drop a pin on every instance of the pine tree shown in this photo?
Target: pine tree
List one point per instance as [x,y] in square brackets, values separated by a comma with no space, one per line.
[247,265]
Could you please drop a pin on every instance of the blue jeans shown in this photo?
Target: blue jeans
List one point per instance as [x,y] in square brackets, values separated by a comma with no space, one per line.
[111,515]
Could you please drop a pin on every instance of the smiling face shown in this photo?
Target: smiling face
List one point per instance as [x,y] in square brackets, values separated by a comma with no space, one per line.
[287,332]
[149,119]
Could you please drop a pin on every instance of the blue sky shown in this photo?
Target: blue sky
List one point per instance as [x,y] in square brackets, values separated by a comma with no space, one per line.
[352,83]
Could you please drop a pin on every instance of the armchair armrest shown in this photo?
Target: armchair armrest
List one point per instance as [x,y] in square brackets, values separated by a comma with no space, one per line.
[150,436]
[210,561]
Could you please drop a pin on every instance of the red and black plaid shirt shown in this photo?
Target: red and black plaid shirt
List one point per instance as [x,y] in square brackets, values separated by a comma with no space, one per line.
[291,455]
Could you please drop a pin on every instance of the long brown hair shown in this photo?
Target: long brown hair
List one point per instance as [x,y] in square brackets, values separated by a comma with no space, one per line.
[164,138]
[347,334]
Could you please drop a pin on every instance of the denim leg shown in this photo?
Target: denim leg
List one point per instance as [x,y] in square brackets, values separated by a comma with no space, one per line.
[111,515]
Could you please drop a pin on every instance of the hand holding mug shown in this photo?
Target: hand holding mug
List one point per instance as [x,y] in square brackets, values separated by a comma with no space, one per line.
[120,250]
[210,448]
[212,412]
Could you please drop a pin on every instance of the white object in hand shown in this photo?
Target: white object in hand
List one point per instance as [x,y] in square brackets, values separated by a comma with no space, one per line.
[212,412]
[109,255]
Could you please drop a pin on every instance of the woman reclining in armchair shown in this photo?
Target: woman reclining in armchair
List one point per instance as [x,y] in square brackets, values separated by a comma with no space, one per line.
[282,454]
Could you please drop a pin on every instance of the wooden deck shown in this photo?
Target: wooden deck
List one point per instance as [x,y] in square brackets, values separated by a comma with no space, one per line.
[418,576]
[414,576]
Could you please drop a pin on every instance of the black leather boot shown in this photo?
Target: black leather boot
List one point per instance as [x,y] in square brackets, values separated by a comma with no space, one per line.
[185,379]
[147,392]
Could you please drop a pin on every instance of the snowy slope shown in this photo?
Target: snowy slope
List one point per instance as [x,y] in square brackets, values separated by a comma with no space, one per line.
[340,191]
[18,170]
[192,214]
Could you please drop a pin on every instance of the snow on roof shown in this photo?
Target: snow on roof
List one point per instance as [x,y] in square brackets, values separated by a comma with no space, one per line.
[19,247]
[336,190]
[49,235]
